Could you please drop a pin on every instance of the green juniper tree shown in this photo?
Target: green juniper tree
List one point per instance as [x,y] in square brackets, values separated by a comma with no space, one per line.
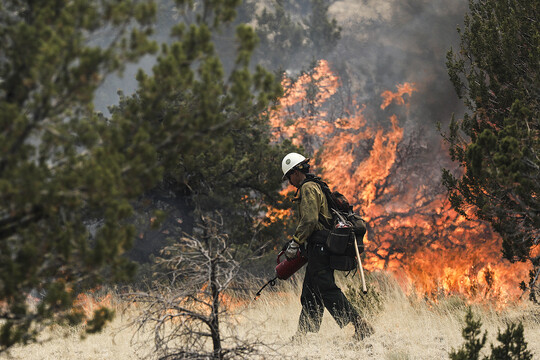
[69,177]
[474,343]
[222,160]
[512,342]
[280,34]
[60,164]
[497,74]
[512,345]
[294,33]
[322,32]
[210,126]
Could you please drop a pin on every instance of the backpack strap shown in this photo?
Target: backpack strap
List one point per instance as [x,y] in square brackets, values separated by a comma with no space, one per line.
[327,193]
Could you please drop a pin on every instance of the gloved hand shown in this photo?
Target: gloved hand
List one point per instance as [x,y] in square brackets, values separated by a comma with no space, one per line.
[292,250]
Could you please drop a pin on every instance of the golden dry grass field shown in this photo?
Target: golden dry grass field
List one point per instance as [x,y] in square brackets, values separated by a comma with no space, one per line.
[405,328]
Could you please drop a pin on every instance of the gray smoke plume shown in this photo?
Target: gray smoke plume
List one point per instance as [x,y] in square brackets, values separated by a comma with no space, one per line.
[394,41]
[383,43]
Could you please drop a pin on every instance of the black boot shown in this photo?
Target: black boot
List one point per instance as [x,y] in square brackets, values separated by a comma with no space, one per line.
[298,338]
[362,329]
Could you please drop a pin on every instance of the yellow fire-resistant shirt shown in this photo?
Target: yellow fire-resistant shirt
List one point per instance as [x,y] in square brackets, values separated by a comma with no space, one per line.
[312,203]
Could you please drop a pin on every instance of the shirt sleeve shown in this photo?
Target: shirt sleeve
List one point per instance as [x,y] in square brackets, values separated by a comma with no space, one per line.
[310,205]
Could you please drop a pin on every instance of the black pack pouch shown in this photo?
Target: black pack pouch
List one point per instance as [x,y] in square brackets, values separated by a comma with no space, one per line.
[340,243]
[342,262]
[338,240]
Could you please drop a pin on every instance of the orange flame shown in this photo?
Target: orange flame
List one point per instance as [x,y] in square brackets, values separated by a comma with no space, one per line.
[90,302]
[397,97]
[413,232]
[297,95]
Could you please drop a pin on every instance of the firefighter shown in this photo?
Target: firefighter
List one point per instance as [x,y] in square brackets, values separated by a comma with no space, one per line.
[319,289]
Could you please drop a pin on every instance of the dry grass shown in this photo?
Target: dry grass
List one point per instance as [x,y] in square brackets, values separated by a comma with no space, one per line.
[405,328]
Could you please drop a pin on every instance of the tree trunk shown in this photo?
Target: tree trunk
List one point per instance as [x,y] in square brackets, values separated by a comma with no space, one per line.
[214,316]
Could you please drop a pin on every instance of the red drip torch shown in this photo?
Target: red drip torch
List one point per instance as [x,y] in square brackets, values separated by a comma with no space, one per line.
[285,269]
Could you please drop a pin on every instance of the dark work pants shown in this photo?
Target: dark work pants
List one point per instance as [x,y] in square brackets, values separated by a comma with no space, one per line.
[319,291]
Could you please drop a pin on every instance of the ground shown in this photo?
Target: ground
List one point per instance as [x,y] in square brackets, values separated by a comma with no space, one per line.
[405,328]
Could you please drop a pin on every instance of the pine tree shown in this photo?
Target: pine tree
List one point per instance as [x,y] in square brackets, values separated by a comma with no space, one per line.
[473,342]
[280,34]
[295,33]
[513,345]
[210,127]
[512,342]
[497,74]
[69,177]
[323,32]
[61,165]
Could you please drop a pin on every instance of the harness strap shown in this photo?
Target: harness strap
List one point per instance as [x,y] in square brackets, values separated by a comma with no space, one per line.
[326,191]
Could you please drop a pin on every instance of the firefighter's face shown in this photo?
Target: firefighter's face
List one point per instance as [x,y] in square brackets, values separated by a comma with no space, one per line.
[296,178]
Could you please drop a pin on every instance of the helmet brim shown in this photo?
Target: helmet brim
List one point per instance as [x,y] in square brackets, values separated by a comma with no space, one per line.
[284,177]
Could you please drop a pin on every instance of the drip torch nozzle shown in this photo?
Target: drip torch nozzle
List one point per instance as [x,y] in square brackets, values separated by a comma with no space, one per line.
[271,282]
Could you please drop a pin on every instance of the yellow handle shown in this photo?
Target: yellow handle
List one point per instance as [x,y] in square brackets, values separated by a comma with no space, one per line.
[364,288]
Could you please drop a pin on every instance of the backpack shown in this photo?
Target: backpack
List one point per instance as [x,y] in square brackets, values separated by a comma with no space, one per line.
[346,226]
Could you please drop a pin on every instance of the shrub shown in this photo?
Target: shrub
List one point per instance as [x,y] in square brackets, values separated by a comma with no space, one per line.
[513,345]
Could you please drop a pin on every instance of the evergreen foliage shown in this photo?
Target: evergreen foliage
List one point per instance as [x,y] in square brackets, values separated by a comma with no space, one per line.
[279,33]
[295,33]
[371,304]
[512,342]
[473,341]
[323,32]
[210,129]
[69,177]
[60,164]
[513,345]
[496,72]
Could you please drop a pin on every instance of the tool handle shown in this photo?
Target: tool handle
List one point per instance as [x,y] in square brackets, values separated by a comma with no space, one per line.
[364,288]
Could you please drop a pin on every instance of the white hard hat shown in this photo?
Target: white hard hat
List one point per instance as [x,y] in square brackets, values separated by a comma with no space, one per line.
[290,161]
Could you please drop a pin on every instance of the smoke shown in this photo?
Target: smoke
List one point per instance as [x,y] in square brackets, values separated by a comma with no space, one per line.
[390,42]
[383,42]
[361,12]
[394,41]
